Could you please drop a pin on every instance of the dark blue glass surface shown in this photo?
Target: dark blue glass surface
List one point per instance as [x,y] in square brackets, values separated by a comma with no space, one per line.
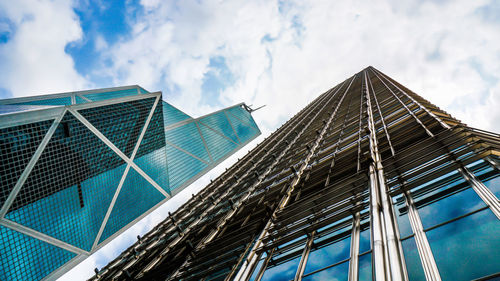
[328,255]
[365,267]
[218,145]
[340,272]
[25,258]
[283,272]
[450,207]
[467,248]
[494,186]
[412,259]
[136,196]
[172,115]
[188,137]
[245,132]
[364,241]
[219,122]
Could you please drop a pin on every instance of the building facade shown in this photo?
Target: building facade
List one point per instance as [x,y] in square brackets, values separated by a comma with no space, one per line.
[368,182]
[77,169]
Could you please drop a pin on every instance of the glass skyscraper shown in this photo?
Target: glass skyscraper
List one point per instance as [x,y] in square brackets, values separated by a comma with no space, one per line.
[79,168]
[368,182]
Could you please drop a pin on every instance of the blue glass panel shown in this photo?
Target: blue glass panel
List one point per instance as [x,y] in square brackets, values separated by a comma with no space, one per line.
[155,165]
[283,272]
[412,259]
[26,258]
[364,241]
[450,207]
[121,123]
[181,167]
[219,122]
[142,91]
[11,108]
[60,215]
[402,217]
[188,138]
[49,101]
[244,131]
[241,113]
[365,267]
[467,248]
[328,255]
[79,100]
[339,272]
[172,115]
[218,145]
[135,198]
[17,145]
[257,269]
[494,186]
[111,94]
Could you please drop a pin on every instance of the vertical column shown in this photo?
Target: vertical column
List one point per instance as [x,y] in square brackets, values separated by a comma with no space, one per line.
[423,247]
[377,180]
[305,256]
[354,263]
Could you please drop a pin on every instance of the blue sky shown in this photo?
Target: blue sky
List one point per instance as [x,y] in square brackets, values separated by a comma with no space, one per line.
[205,55]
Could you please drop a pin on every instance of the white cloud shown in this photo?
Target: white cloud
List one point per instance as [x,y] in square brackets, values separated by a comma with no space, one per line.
[282,54]
[33,61]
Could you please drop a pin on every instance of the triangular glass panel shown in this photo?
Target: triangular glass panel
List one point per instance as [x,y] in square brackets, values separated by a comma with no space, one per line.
[245,132]
[172,115]
[121,123]
[27,258]
[136,197]
[188,138]
[181,167]
[17,146]
[70,187]
[219,122]
[243,115]
[79,100]
[218,145]
[155,165]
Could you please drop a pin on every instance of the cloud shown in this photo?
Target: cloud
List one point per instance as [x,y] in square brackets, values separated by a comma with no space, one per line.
[33,59]
[279,53]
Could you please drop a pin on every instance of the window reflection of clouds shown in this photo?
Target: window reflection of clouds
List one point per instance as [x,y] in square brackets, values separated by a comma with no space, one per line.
[339,272]
[283,272]
[450,207]
[328,255]
[494,186]
[365,267]
[412,260]
[467,248]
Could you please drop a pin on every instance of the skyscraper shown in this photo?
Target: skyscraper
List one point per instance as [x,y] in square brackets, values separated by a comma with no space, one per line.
[79,168]
[368,181]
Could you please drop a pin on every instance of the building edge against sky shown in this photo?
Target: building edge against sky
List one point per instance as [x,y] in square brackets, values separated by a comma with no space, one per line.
[74,163]
[368,182]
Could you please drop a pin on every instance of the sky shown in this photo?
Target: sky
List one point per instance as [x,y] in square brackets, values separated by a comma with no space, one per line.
[206,55]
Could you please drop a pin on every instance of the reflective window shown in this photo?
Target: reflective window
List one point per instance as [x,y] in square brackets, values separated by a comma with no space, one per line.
[339,272]
[283,272]
[365,267]
[450,207]
[412,259]
[494,186]
[328,255]
[467,248]
[364,241]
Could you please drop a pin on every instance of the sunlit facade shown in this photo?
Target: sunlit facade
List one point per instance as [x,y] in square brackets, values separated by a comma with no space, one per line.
[77,169]
[368,182]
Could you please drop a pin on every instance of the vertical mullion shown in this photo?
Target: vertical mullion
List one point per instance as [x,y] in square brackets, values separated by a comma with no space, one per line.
[354,262]
[304,257]
[424,249]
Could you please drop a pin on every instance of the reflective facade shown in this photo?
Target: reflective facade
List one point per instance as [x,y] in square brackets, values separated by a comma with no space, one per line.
[77,169]
[368,182]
